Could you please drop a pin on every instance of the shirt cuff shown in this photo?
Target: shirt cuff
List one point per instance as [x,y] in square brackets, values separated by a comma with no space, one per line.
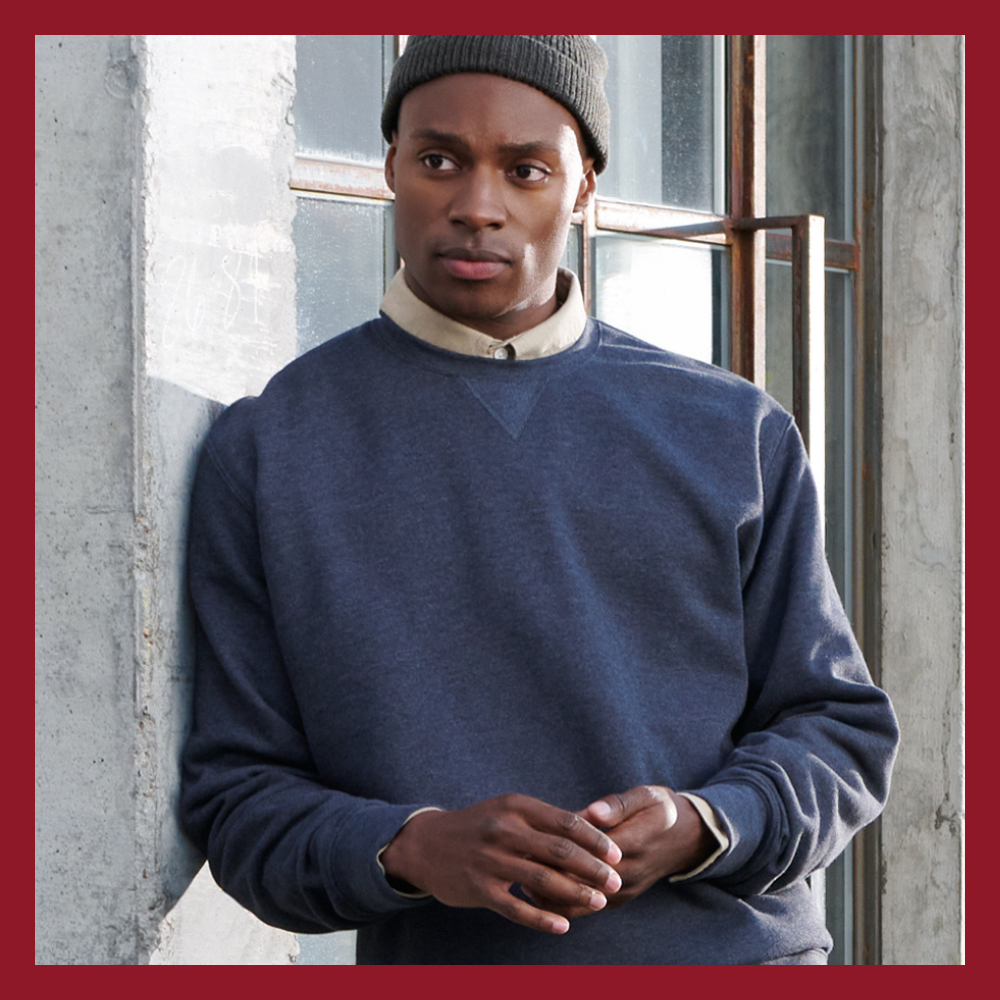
[378,857]
[706,812]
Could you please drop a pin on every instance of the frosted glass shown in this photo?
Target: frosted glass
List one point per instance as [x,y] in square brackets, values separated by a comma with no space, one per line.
[338,99]
[667,294]
[666,99]
[810,129]
[341,273]
[839,403]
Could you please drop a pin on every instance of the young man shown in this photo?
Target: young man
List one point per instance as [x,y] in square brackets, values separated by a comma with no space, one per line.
[516,640]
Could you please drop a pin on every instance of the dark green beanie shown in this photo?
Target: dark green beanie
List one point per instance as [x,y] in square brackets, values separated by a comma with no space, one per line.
[568,68]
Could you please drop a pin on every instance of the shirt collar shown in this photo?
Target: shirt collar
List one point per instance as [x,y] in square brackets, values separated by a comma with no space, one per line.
[561,330]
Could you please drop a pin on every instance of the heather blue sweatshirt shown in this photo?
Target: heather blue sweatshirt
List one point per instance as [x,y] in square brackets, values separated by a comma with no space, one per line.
[425,579]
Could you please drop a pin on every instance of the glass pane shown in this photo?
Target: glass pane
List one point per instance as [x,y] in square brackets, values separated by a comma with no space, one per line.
[810,129]
[669,294]
[338,98]
[778,337]
[667,119]
[343,247]
[839,401]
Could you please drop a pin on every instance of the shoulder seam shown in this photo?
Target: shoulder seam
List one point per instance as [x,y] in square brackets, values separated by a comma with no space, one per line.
[768,468]
[224,476]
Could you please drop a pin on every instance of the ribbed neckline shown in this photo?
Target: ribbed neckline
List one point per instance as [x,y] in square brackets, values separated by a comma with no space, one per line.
[416,351]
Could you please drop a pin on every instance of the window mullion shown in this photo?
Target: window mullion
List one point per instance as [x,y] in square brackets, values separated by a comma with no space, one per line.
[748,131]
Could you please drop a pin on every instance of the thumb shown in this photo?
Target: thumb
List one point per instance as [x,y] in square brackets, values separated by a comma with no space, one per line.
[611,810]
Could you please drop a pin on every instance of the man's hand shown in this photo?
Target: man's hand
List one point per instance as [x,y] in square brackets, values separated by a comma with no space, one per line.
[659,832]
[472,857]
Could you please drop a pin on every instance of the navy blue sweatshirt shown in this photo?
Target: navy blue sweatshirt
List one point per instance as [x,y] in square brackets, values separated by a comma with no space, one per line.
[425,579]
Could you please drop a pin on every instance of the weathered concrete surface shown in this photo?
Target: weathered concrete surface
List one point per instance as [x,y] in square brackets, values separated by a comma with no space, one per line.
[218,319]
[922,493]
[164,287]
[85,163]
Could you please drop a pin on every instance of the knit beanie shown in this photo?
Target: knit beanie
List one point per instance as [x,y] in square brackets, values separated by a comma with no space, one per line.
[568,68]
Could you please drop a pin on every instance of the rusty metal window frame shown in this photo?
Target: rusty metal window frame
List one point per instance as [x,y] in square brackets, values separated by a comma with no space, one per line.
[753,238]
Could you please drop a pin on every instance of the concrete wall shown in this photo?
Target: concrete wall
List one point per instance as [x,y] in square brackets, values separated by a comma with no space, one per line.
[922,493]
[86,166]
[165,277]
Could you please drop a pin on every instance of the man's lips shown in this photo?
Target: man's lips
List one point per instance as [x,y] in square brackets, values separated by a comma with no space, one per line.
[472,265]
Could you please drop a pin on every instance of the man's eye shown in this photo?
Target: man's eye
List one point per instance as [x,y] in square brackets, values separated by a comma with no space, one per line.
[527,172]
[437,161]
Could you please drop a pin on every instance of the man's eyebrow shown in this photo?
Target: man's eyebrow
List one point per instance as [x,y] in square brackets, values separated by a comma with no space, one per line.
[534,148]
[445,138]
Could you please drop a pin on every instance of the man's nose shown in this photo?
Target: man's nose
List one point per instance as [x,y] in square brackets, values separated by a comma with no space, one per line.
[479,201]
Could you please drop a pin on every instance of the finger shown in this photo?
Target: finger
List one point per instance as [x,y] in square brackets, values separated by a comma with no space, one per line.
[516,844]
[562,855]
[549,905]
[618,807]
[645,831]
[520,912]
[530,826]
[550,884]
[573,827]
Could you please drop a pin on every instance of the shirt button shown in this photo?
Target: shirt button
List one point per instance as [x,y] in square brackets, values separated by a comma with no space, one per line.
[501,353]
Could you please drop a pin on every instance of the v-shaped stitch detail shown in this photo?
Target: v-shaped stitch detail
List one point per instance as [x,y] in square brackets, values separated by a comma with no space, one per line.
[510,403]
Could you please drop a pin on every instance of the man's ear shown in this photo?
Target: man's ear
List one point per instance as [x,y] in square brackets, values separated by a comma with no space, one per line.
[588,185]
[390,168]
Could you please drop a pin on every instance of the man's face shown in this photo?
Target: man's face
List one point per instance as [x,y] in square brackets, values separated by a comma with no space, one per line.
[487,173]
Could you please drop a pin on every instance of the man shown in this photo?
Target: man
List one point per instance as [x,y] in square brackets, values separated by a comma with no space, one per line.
[516,640]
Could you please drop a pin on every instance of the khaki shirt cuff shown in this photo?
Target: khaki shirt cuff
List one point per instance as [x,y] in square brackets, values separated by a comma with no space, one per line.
[706,812]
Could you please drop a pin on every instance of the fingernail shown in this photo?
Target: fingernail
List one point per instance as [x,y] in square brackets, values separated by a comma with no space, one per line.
[559,925]
[597,900]
[614,882]
[613,853]
[601,810]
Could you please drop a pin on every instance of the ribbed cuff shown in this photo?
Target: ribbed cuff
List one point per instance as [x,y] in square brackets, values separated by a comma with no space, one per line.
[361,891]
[743,813]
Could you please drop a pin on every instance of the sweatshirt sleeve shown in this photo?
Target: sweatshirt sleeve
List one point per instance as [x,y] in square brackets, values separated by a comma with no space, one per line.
[814,748]
[299,855]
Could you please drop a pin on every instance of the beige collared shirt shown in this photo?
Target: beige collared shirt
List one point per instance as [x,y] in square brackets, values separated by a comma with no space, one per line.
[561,330]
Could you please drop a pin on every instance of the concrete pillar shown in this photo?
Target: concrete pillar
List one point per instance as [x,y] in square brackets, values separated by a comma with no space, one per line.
[86,166]
[164,288]
[923,493]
